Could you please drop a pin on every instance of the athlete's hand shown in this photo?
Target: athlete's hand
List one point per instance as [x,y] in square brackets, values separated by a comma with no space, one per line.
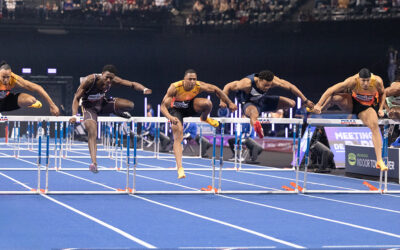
[316,109]
[174,120]
[232,107]
[381,113]
[222,105]
[309,104]
[54,110]
[147,91]
[72,120]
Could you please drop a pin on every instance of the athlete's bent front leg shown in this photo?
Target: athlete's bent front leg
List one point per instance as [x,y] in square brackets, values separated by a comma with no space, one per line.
[370,119]
[204,106]
[26,100]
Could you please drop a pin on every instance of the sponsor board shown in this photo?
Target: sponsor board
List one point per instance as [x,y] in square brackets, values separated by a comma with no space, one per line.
[362,160]
[339,137]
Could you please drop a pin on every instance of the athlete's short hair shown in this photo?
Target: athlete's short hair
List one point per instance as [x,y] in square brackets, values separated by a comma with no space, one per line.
[110,68]
[190,71]
[364,73]
[4,65]
[266,75]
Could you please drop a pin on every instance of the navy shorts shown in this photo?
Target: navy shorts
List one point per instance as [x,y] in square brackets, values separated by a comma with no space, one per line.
[265,104]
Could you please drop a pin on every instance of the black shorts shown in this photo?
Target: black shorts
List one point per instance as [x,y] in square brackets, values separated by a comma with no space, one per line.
[358,107]
[180,113]
[265,104]
[93,109]
[9,103]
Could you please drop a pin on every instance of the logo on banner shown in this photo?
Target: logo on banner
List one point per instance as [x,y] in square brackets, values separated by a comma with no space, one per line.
[348,122]
[352,159]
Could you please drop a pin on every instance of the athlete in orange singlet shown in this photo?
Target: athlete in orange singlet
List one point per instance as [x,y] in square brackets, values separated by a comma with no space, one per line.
[10,101]
[366,99]
[180,102]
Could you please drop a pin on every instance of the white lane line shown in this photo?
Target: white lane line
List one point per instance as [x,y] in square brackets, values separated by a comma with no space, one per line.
[104,224]
[309,215]
[117,230]
[315,217]
[259,186]
[221,222]
[205,218]
[354,204]
[364,246]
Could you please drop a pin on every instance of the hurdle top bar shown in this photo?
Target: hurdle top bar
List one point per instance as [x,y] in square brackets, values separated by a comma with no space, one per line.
[346,122]
[146,119]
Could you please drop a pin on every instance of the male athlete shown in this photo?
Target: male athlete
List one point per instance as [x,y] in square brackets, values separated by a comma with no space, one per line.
[93,91]
[180,101]
[363,95]
[253,90]
[10,101]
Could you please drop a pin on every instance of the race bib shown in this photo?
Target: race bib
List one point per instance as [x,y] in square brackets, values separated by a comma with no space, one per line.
[95,97]
[181,105]
[3,94]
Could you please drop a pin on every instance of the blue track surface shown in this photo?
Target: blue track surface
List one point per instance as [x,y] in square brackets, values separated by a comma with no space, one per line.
[188,221]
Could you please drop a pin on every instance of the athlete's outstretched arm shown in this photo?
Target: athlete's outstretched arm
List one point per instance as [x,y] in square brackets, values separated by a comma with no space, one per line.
[135,85]
[166,103]
[277,82]
[21,82]
[337,88]
[209,88]
[243,85]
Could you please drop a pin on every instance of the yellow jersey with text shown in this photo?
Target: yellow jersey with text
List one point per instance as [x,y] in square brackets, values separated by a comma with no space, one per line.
[182,96]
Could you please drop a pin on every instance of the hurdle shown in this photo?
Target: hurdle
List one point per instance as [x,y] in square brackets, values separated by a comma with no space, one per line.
[349,122]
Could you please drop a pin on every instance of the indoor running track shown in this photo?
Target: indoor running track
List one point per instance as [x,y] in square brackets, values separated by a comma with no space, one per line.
[189,221]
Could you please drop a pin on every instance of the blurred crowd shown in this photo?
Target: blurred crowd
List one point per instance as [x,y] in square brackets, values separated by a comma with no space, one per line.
[337,10]
[89,10]
[215,12]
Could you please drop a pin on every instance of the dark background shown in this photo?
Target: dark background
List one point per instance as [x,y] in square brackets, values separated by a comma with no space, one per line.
[312,56]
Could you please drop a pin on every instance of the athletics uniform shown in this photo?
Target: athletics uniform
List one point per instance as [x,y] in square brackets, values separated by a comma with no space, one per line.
[364,99]
[258,98]
[8,100]
[182,103]
[95,102]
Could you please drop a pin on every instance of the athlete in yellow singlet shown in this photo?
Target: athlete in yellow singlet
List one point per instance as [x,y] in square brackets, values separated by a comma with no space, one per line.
[10,101]
[365,100]
[181,101]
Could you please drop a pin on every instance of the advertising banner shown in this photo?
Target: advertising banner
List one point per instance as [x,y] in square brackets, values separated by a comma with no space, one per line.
[339,137]
[362,160]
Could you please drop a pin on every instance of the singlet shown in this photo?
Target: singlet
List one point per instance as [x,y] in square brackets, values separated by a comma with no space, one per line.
[5,89]
[255,93]
[182,97]
[95,94]
[366,97]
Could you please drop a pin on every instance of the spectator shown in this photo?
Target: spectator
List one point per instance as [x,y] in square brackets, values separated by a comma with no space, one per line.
[392,65]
